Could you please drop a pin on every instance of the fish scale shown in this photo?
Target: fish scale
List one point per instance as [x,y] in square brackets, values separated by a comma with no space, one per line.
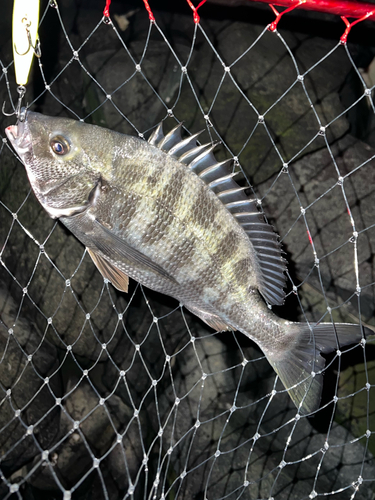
[179,203]
[167,214]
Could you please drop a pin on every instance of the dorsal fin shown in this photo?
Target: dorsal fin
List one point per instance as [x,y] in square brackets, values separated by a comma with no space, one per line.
[192,153]
[205,160]
[171,139]
[184,145]
[157,135]
[219,178]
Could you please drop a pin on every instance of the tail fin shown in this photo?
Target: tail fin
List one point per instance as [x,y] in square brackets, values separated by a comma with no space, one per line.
[300,368]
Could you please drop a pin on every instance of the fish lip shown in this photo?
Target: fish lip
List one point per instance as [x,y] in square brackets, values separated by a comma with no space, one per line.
[20,137]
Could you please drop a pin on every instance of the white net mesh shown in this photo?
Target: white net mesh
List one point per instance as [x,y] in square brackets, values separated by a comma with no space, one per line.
[106,395]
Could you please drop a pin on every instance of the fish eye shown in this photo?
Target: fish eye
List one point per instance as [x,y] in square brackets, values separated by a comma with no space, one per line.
[60,145]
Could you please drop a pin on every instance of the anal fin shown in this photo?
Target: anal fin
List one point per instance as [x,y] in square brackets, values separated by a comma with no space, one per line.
[118,279]
[211,319]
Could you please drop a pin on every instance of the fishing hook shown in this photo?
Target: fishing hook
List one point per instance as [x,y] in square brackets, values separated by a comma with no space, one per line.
[21,89]
[36,48]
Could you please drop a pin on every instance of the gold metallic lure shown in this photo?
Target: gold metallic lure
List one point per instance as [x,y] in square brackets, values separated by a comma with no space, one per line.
[167,214]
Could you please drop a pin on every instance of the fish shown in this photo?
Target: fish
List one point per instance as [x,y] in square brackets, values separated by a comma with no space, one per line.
[166,213]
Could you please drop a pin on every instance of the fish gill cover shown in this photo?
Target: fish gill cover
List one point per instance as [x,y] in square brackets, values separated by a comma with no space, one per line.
[114,395]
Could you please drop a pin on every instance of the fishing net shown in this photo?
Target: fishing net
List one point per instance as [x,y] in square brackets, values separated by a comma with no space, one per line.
[106,395]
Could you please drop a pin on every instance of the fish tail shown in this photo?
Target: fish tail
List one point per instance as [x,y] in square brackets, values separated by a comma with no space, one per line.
[301,366]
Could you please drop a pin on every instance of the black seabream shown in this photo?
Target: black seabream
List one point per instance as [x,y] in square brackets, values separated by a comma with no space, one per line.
[167,214]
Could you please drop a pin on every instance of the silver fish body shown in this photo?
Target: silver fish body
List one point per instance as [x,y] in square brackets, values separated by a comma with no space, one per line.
[165,213]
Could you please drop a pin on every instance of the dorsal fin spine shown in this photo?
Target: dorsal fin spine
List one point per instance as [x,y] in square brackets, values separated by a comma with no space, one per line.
[171,139]
[185,145]
[239,203]
[274,287]
[157,135]
[190,155]
[258,235]
[230,192]
[273,279]
[242,214]
[271,252]
[203,161]
[272,264]
[210,171]
[222,179]
[210,148]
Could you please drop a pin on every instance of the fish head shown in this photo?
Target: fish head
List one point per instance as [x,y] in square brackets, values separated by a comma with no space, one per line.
[62,158]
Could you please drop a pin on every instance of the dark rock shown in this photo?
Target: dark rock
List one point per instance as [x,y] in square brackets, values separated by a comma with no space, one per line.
[85,433]
[316,178]
[28,416]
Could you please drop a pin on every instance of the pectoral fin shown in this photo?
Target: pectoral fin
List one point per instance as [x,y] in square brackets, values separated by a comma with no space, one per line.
[118,279]
[118,250]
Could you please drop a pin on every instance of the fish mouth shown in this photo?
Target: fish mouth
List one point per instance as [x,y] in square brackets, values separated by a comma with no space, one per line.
[20,137]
